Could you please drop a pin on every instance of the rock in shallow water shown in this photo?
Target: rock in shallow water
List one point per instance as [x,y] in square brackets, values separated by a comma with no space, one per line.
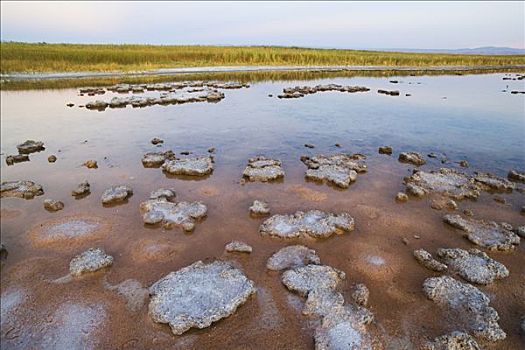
[469,305]
[426,259]
[489,234]
[263,169]
[314,223]
[82,189]
[30,146]
[303,280]
[291,257]
[183,214]
[453,341]
[361,294]
[447,182]
[339,169]
[239,247]
[198,295]
[490,182]
[116,194]
[17,158]
[193,166]
[259,208]
[91,260]
[21,189]
[412,158]
[53,205]
[515,175]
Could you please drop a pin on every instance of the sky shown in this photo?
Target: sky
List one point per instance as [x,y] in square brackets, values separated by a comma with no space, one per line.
[357,25]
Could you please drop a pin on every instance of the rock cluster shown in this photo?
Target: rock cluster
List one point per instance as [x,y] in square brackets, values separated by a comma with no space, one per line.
[338,169]
[263,169]
[301,91]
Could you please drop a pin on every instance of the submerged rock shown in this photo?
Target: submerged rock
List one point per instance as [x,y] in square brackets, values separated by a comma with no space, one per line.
[314,223]
[494,183]
[469,304]
[453,341]
[30,146]
[361,294]
[53,205]
[291,257]
[193,166]
[263,169]
[385,150]
[473,265]
[412,158]
[446,182]
[339,169]
[302,280]
[116,194]
[426,259]
[515,175]
[259,208]
[17,158]
[132,291]
[487,234]
[198,295]
[82,189]
[91,260]
[183,214]
[21,189]
[239,247]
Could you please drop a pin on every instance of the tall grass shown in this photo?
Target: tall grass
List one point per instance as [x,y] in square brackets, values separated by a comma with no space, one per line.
[41,57]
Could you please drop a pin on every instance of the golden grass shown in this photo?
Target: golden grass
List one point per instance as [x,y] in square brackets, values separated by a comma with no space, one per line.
[41,57]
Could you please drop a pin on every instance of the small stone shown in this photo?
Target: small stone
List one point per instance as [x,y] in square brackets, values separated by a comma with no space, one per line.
[116,194]
[91,164]
[291,257]
[401,197]
[17,158]
[385,150]
[417,237]
[405,241]
[309,145]
[83,188]
[30,146]
[53,205]
[211,150]
[52,158]
[426,259]
[463,164]
[259,208]
[412,157]
[239,247]
[70,104]
[156,141]
[468,212]
[361,294]
[90,261]
[338,145]
[3,252]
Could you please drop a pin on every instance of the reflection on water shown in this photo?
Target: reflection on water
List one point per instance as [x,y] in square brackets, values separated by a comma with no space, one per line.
[457,117]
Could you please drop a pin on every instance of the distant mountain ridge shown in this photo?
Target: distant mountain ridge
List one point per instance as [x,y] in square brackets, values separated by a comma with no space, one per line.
[486,50]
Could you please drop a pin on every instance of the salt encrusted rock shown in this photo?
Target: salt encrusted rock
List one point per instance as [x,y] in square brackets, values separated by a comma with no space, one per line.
[259,208]
[291,257]
[304,279]
[301,91]
[21,189]
[401,197]
[91,260]
[97,104]
[156,159]
[339,169]
[469,304]
[53,205]
[192,166]
[263,169]
[183,214]
[447,182]
[426,259]
[239,247]
[17,158]
[385,150]
[517,176]
[116,194]
[493,182]
[91,164]
[198,295]
[452,341]
[314,223]
[322,301]
[168,193]
[30,146]
[361,294]
[487,234]
[473,265]
[412,158]
[83,188]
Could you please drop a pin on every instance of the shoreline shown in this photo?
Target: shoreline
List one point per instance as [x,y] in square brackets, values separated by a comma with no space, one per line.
[235,69]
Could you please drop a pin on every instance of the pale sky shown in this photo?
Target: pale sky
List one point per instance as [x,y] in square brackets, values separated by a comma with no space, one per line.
[421,25]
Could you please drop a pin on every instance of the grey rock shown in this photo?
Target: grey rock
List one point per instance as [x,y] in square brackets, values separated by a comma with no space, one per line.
[30,146]
[314,223]
[168,193]
[361,294]
[193,166]
[97,104]
[489,234]
[469,304]
[183,214]
[339,169]
[91,260]
[385,150]
[301,91]
[21,189]
[473,265]
[153,159]
[53,205]
[263,169]
[520,231]
[302,280]
[259,208]
[446,182]
[412,158]
[116,194]
[82,189]
[426,259]
[239,247]
[453,341]
[198,295]
[490,182]
[322,301]
[517,176]
[291,257]
[17,158]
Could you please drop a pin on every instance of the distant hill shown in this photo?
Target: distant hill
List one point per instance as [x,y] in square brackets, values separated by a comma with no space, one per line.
[487,50]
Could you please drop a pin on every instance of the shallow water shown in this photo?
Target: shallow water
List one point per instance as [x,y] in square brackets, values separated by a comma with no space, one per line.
[463,117]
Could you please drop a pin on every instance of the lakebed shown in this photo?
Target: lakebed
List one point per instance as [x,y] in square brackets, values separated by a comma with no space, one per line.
[472,118]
